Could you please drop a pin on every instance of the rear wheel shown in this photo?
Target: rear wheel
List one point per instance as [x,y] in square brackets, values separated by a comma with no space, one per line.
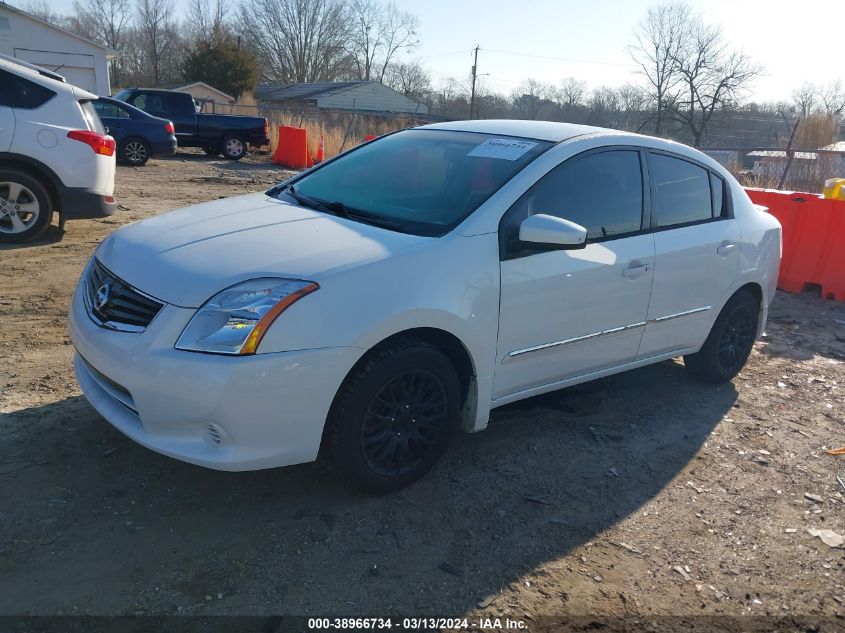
[135,152]
[393,417]
[729,343]
[233,147]
[25,207]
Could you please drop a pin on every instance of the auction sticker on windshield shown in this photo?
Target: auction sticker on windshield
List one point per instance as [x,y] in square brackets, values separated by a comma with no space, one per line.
[502,148]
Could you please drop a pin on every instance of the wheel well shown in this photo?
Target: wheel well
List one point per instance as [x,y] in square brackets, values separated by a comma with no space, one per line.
[449,344]
[756,291]
[39,174]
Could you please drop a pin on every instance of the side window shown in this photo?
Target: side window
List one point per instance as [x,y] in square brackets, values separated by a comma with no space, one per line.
[109,110]
[717,190]
[682,191]
[602,192]
[22,93]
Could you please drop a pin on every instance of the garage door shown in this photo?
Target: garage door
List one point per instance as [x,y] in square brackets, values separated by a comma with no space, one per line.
[77,69]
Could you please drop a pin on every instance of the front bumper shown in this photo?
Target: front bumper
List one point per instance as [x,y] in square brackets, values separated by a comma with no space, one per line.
[226,413]
[76,203]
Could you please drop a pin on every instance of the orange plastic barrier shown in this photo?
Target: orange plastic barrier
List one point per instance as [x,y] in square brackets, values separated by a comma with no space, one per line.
[813,240]
[292,149]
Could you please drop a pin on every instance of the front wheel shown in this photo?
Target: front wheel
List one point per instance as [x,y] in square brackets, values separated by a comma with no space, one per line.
[233,147]
[25,207]
[729,343]
[393,417]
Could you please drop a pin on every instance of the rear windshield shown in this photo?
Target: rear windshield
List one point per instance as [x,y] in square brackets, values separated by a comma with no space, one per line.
[91,117]
[426,180]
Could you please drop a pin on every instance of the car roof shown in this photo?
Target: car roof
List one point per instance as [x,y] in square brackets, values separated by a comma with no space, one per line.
[540,130]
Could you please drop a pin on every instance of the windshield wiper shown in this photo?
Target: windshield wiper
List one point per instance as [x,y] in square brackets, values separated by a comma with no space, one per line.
[314,203]
[339,209]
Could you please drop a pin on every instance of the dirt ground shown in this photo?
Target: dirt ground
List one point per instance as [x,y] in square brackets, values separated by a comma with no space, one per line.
[641,494]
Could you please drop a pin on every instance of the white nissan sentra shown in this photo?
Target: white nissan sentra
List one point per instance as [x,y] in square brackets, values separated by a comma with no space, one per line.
[365,309]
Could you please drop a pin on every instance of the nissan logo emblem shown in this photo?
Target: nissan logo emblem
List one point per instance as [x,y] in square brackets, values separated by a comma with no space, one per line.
[101,298]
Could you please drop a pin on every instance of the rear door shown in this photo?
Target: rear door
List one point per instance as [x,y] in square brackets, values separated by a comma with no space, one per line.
[697,254]
[566,313]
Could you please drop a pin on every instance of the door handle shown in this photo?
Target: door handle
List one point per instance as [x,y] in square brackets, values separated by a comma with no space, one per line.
[633,272]
[726,248]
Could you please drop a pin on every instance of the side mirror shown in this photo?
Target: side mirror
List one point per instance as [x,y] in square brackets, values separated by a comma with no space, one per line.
[549,229]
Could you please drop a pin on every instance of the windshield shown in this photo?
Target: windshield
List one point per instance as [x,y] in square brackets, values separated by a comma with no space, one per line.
[419,181]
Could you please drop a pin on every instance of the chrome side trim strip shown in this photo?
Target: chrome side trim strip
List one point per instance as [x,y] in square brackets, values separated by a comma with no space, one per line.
[669,317]
[586,337]
[576,339]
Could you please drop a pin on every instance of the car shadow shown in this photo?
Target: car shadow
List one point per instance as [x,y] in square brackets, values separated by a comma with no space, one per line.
[52,235]
[138,532]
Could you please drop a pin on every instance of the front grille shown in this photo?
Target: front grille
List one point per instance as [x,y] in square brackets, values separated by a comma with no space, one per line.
[115,304]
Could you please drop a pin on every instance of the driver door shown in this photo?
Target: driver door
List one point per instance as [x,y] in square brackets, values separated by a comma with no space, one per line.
[568,312]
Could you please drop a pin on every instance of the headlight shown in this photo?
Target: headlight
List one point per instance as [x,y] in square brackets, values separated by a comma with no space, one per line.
[235,320]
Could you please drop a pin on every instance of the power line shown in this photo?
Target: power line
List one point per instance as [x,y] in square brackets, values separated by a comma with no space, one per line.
[562,59]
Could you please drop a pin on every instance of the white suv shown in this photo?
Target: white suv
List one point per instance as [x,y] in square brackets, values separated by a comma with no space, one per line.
[55,154]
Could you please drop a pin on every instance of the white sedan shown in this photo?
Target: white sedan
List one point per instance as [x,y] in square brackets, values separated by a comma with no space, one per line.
[365,309]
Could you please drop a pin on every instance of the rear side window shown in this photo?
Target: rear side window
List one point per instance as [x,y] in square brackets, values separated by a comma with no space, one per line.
[717,190]
[21,93]
[110,111]
[91,117]
[682,192]
[180,104]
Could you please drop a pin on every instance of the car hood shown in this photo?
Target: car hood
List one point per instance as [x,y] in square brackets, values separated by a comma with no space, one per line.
[185,257]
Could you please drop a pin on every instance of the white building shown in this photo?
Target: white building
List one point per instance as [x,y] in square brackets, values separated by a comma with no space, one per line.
[82,62]
[358,96]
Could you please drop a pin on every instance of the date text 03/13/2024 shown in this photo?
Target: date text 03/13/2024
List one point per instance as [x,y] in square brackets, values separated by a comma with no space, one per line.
[415,624]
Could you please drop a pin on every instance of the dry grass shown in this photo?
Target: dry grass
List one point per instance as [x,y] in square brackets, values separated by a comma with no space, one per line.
[816,131]
[339,131]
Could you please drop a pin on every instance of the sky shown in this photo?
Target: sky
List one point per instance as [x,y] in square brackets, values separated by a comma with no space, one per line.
[588,39]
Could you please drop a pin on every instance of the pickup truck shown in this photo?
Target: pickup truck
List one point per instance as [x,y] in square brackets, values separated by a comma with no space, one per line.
[215,133]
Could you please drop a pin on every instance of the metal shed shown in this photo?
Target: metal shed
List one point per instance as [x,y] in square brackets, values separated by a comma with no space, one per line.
[361,96]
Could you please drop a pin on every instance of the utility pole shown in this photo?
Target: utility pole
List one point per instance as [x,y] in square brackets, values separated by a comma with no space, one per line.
[472,91]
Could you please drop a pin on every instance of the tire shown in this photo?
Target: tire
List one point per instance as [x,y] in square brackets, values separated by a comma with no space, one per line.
[393,416]
[135,152]
[729,343]
[233,147]
[212,151]
[26,209]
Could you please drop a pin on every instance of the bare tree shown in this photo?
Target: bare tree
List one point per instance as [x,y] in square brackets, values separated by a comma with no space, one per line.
[805,98]
[832,97]
[530,97]
[712,76]
[571,92]
[107,22]
[206,20]
[657,40]
[296,40]
[409,78]
[41,9]
[377,33]
[158,38]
